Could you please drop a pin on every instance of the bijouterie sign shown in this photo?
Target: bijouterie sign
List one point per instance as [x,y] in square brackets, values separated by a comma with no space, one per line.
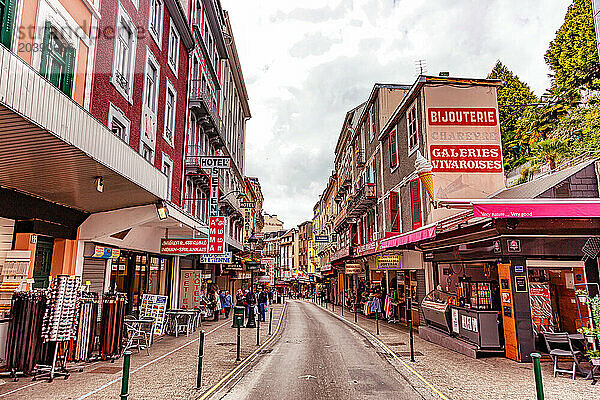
[466,158]
[463,116]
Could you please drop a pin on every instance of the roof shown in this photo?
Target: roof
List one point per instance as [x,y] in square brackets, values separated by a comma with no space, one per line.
[538,186]
[351,117]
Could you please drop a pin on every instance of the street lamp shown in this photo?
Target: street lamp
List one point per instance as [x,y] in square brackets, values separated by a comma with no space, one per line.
[239,194]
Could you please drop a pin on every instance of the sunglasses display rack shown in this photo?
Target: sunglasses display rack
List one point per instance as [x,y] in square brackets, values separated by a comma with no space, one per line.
[24,338]
[59,324]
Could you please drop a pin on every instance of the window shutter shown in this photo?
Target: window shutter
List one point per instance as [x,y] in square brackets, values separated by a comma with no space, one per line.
[395,221]
[6,24]
[45,50]
[393,149]
[415,197]
[67,86]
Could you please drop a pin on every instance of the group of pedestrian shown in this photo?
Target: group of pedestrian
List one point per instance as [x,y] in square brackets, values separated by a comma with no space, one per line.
[221,301]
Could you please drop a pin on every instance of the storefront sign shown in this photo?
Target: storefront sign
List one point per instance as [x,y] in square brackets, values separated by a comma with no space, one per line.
[190,289]
[341,253]
[243,275]
[321,239]
[520,284]
[221,258]
[514,245]
[216,235]
[462,116]
[466,158]
[368,248]
[106,252]
[183,246]
[388,262]
[352,269]
[326,267]
[263,279]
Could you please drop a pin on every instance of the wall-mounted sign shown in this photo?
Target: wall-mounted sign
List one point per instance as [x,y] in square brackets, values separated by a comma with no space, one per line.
[388,262]
[252,265]
[222,258]
[496,247]
[247,204]
[341,253]
[514,245]
[190,289]
[106,252]
[183,246]
[322,239]
[466,158]
[367,248]
[519,268]
[520,284]
[462,116]
[219,162]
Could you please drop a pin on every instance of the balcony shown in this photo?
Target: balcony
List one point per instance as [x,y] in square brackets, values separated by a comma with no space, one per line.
[340,220]
[52,148]
[203,106]
[364,199]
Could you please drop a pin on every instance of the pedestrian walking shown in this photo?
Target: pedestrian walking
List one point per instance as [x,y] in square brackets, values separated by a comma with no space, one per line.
[218,306]
[270,293]
[227,303]
[262,304]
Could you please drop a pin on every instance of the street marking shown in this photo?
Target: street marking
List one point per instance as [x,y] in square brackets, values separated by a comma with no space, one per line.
[407,366]
[149,363]
[307,377]
[246,360]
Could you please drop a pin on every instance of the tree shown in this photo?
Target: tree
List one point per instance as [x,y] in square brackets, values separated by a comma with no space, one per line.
[573,51]
[512,98]
[550,151]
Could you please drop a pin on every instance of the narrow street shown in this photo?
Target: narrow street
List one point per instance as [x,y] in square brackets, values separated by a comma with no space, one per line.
[319,357]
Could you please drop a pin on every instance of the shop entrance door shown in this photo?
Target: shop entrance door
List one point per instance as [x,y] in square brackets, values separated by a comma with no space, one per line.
[43,262]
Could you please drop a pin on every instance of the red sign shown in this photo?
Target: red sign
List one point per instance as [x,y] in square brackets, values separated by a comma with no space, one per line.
[466,158]
[216,235]
[369,248]
[183,246]
[463,116]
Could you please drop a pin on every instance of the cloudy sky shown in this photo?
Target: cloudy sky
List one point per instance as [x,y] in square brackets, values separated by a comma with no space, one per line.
[306,64]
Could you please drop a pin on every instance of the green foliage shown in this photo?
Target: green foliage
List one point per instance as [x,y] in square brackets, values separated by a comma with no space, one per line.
[573,51]
[549,151]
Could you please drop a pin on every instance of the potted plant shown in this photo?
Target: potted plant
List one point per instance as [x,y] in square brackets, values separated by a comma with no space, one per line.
[582,295]
[589,333]
[594,356]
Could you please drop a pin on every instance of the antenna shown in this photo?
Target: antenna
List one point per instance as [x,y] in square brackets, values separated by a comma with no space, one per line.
[420,67]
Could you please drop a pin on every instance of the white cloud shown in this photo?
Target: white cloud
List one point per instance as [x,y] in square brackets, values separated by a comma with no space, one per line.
[306,64]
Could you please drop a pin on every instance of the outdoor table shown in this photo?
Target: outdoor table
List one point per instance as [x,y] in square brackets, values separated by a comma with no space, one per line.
[136,332]
[175,320]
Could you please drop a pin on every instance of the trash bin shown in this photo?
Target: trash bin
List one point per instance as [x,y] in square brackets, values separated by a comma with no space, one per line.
[238,317]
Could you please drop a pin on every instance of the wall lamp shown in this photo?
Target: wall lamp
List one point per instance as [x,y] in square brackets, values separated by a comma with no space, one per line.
[162,211]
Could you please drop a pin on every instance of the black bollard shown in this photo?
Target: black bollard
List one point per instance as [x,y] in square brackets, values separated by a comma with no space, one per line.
[377,320]
[200,357]
[412,346]
[270,319]
[355,313]
[239,339]
[258,330]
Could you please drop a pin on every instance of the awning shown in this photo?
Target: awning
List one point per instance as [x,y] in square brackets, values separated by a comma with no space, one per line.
[546,208]
[425,232]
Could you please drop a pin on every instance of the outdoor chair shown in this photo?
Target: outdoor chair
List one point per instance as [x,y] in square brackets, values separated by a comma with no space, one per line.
[138,334]
[560,345]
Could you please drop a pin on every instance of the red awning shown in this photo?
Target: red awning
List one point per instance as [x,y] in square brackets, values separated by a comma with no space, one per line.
[550,208]
[425,232]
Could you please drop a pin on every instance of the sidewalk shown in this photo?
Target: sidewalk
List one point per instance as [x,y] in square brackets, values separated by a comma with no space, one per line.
[461,377]
[168,373]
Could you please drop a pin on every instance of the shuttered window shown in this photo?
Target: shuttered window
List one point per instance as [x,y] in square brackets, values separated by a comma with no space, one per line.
[415,200]
[58,61]
[7,17]
[394,212]
[393,149]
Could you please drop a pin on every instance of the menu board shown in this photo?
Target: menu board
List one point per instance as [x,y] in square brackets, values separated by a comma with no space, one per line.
[154,306]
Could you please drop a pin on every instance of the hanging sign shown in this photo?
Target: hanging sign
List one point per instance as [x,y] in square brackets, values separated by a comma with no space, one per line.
[352,269]
[224,258]
[322,239]
[183,246]
[216,235]
[388,262]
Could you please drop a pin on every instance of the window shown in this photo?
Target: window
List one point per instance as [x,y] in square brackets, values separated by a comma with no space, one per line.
[173,58]
[170,104]
[371,123]
[198,14]
[393,148]
[167,169]
[394,212]
[58,61]
[155,23]
[192,149]
[118,123]
[415,203]
[151,83]
[7,19]
[189,195]
[412,128]
[147,152]
[124,57]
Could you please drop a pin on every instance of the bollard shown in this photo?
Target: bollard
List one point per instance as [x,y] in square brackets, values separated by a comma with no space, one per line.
[333,305]
[270,319]
[537,370]
[125,380]
[258,330]
[239,339]
[355,313]
[200,357]
[377,320]
[412,346]
[342,306]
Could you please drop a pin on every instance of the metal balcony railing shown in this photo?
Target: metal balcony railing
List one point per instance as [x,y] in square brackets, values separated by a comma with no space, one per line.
[364,198]
[202,101]
[360,158]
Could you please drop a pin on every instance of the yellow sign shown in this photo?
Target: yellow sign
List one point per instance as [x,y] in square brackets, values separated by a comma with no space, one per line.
[388,262]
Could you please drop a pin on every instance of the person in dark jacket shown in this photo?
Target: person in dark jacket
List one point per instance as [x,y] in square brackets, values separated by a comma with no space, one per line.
[227,303]
[262,304]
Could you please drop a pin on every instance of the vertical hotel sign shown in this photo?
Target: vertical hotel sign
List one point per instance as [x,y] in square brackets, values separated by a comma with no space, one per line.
[463,141]
[216,235]
[214,164]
